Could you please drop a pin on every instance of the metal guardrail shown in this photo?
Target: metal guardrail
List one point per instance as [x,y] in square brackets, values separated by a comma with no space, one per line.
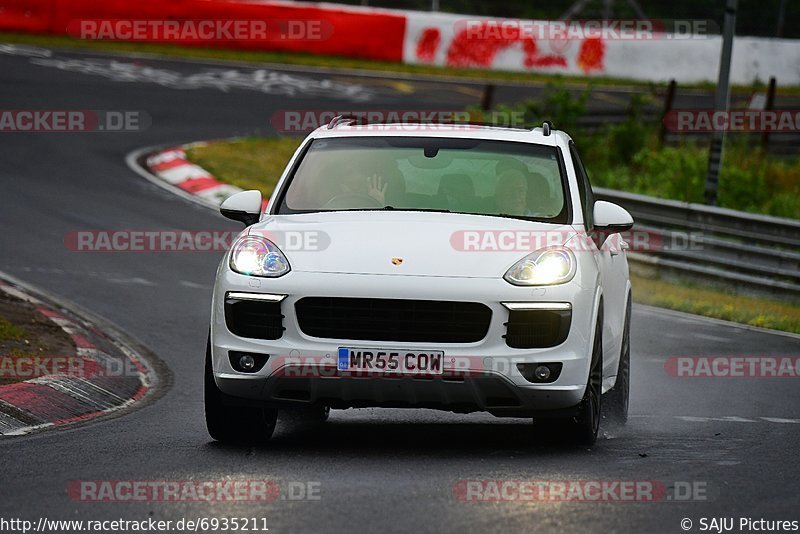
[754,253]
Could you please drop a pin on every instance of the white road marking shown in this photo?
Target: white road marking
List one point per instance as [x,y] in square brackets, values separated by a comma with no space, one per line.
[722,419]
[781,420]
[725,419]
[24,50]
[716,339]
[223,79]
[131,281]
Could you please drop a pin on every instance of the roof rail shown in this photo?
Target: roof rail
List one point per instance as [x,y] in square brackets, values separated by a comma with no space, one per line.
[362,121]
[547,126]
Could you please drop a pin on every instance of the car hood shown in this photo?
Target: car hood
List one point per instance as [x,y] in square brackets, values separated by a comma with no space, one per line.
[407,243]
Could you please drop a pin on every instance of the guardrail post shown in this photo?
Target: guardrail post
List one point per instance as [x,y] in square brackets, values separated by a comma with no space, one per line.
[669,99]
[722,103]
[487,97]
[769,106]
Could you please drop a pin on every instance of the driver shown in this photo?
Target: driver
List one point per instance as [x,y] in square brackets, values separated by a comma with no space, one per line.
[354,183]
[375,184]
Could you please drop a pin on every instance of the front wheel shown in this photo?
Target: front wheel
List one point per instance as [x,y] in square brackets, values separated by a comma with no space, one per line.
[586,423]
[616,401]
[234,424]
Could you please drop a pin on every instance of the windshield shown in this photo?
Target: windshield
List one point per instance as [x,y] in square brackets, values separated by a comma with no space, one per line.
[474,176]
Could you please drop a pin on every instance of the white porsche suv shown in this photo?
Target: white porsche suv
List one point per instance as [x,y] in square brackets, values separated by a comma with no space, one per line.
[455,267]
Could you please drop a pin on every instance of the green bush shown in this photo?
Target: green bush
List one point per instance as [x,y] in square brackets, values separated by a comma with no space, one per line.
[557,105]
[628,138]
[670,172]
[627,156]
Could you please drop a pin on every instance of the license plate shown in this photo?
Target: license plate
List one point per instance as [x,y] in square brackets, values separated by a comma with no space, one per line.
[406,362]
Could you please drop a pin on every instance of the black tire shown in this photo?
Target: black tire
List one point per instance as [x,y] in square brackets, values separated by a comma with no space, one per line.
[586,423]
[304,416]
[616,401]
[234,424]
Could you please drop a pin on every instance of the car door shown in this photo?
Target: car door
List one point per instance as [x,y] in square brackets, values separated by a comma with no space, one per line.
[610,263]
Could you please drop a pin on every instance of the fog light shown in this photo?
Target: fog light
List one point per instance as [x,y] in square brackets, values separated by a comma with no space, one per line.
[542,372]
[247,363]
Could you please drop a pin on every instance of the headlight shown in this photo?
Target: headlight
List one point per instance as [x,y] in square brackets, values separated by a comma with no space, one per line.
[256,256]
[545,267]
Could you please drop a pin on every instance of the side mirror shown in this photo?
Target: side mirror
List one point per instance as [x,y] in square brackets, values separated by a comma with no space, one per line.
[610,218]
[244,207]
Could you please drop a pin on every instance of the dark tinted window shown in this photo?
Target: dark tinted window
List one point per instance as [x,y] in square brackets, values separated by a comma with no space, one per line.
[483,177]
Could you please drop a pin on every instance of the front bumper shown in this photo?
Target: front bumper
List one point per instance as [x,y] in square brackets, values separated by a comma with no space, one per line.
[303,369]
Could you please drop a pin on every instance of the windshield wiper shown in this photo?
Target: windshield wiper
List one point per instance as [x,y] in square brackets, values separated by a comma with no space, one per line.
[522,217]
[431,210]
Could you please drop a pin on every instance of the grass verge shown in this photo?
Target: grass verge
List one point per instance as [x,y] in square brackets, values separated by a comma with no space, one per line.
[249,163]
[9,331]
[701,300]
[27,335]
[257,163]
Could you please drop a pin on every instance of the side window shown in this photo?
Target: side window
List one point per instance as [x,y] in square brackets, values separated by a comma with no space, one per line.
[584,187]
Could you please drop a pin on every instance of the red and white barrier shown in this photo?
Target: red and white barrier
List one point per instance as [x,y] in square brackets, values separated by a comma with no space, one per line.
[506,44]
[172,167]
[431,38]
[457,41]
[349,32]
[99,377]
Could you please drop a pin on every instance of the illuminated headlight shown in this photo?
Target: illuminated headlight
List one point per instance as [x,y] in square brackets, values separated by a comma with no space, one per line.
[545,267]
[256,256]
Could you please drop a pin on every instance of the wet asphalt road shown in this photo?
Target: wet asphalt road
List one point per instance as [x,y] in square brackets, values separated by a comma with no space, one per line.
[377,470]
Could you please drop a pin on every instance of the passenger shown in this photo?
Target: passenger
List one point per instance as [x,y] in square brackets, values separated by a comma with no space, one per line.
[510,164]
[539,198]
[510,196]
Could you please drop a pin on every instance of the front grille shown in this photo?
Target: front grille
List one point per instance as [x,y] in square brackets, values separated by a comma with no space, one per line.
[254,319]
[393,319]
[535,329]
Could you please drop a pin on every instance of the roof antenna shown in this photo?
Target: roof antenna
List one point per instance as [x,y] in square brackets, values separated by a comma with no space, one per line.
[340,119]
[546,127]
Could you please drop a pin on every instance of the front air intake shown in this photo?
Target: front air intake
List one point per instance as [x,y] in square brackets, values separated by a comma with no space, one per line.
[254,319]
[537,329]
